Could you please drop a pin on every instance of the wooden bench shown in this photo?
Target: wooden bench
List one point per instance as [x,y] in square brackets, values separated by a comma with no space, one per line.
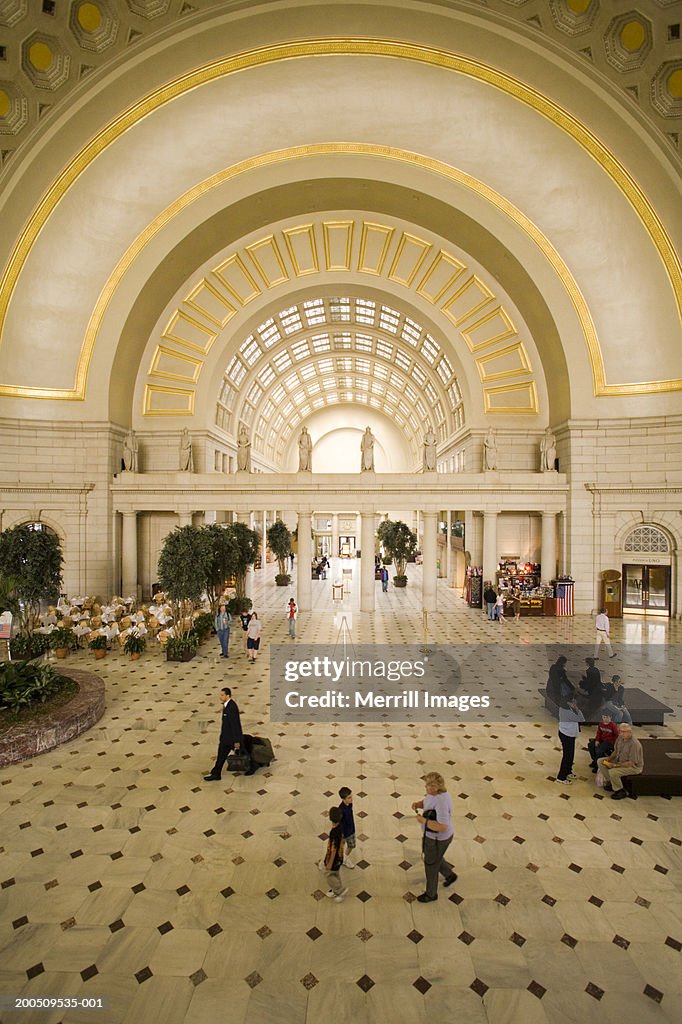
[662,775]
[644,709]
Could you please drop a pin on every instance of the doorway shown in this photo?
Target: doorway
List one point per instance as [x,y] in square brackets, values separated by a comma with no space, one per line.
[646,588]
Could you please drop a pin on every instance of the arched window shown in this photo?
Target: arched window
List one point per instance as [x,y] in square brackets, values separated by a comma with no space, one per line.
[647,539]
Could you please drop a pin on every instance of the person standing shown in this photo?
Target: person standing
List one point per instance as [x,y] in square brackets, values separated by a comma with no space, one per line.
[603,627]
[437,833]
[231,737]
[253,637]
[348,825]
[498,612]
[222,623]
[627,759]
[604,740]
[591,684]
[490,597]
[570,718]
[384,579]
[244,618]
[292,613]
[334,856]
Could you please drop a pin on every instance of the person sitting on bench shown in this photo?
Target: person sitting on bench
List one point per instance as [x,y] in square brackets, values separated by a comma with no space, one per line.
[590,684]
[627,759]
[614,702]
[604,741]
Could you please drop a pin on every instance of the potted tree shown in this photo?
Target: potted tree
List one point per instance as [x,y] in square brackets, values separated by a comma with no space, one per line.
[279,541]
[398,542]
[134,645]
[99,645]
[247,543]
[224,561]
[62,640]
[185,565]
[32,559]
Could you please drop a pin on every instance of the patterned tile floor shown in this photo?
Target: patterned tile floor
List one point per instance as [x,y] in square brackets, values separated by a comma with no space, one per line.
[124,875]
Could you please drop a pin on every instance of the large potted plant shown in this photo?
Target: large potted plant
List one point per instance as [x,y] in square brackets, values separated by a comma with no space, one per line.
[24,647]
[279,542]
[99,644]
[185,564]
[62,640]
[182,648]
[224,561]
[32,559]
[399,543]
[134,645]
[247,544]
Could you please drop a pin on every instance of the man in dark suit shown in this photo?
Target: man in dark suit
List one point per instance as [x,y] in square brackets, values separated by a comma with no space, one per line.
[231,736]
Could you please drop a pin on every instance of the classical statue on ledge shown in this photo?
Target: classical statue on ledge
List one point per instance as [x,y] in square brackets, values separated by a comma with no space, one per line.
[243,450]
[130,452]
[305,452]
[490,451]
[367,450]
[430,444]
[186,456]
[548,451]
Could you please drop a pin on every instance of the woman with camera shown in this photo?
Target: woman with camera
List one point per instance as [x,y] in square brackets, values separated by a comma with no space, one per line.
[437,833]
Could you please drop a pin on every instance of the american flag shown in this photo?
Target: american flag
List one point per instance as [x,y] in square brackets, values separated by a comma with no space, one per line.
[564,595]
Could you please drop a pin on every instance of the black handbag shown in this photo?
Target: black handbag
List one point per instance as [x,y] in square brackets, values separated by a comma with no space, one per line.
[238,762]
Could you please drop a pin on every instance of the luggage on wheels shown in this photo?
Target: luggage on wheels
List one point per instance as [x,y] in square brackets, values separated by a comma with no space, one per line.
[260,749]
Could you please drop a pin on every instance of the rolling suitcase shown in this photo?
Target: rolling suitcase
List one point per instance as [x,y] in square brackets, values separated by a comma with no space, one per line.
[261,751]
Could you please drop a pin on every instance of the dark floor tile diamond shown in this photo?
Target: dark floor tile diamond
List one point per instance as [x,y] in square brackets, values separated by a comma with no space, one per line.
[69,923]
[19,922]
[653,993]
[618,868]
[272,894]
[518,839]
[362,864]
[117,855]
[594,990]
[409,897]
[502,899]
[536,989]
[365,983]
[479,987]
[363,896]
[214,930]
[661,870]
[405,865]
[532,867]
[618,940]
[140,887]
[198,977]
[673,943]
[569,941]
[76,853]
[116,926]
[466,938]
[640,901]
[517,939]
[549,900]
[94,886]
[309,981]
[422,985]
[183,890]
[144,975]
[595,901]
[401,838]
[415,936]
[490,867]
[34,971]
[313,933]
[364,935]
[263,932]
[575,867]
[89,972]
[165,927]
[280,862]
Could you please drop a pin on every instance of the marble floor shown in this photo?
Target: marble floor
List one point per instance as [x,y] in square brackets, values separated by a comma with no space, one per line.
[123,875]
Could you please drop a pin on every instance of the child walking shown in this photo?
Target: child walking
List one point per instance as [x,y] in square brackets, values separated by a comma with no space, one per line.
[334,857]
[348,822]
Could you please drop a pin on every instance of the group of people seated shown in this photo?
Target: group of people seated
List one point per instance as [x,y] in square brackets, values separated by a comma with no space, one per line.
[319,568]
[591,693]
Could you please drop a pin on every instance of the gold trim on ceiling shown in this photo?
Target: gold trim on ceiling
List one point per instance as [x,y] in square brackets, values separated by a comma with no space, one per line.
[348,47]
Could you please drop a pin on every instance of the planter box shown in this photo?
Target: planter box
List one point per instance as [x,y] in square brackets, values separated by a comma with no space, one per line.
[186,656]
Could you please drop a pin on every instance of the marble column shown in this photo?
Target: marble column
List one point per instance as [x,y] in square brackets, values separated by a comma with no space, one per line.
[429,556]
[367,530]
[490,560]
[548,554]
[129,555]
[247,519]
[264,542]
[358,531]
[335,535]
[304,587]
[448,549]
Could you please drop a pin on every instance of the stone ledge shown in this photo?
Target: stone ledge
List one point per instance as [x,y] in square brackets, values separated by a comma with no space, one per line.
[63,724]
